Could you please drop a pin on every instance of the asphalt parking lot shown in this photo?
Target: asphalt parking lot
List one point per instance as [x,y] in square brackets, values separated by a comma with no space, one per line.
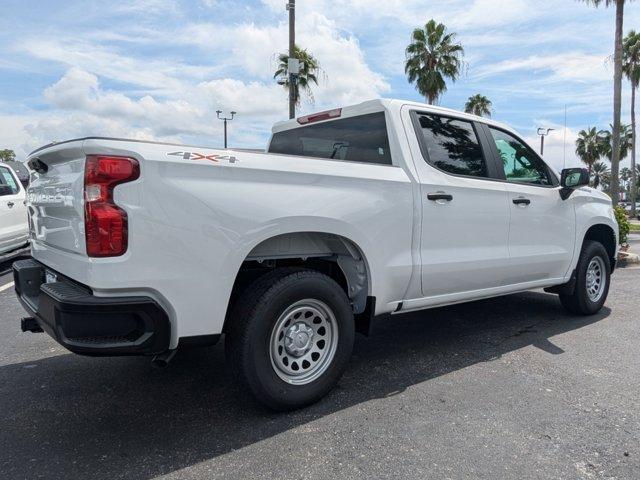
[504,388]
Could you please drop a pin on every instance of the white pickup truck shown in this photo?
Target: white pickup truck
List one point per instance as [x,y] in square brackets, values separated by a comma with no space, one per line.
[383,207]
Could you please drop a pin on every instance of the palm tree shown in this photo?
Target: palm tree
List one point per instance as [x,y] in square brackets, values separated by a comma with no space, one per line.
[478,105]
[599,174]
[589,146]
[631,69]
[309,71]
[625,175]
[433,56]
[625,143]
[617,90]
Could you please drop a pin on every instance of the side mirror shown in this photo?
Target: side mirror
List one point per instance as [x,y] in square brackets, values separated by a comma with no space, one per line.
[572,178]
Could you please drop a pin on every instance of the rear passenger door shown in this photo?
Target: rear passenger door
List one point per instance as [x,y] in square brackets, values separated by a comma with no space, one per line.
[465,216]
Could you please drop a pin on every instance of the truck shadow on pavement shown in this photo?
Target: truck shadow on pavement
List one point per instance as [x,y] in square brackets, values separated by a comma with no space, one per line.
[74,417]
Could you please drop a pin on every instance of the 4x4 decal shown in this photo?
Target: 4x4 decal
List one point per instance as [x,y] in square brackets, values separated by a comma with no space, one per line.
[201,156]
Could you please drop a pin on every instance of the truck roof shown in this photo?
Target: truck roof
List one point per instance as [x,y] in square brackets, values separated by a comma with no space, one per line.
[381,104]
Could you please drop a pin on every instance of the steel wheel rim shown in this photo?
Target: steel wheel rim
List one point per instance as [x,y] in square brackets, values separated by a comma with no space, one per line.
[596,279]
[303,341]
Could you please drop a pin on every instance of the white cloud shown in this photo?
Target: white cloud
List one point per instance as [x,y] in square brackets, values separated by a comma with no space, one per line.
[159,75]
[347,76]
[357,14]
[564,66]
[79,94]
[175,100]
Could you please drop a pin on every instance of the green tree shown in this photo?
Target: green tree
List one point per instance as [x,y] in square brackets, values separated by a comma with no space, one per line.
[432,57]
[600,175]
[631,70]
[310,69]
[7,155]
[617,90]
[478,105]
[625,144]
[589,146]
[625,176]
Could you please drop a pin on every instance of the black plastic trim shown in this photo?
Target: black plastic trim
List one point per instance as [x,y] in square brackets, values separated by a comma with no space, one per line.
[566,288]
[90,325]
[364,320]
[199,340]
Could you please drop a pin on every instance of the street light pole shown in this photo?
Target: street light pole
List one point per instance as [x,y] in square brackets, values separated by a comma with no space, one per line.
[543,132]
[225,120]
[293,77]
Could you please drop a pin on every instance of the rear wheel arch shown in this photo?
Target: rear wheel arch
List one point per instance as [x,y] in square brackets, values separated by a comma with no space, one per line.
[334,255]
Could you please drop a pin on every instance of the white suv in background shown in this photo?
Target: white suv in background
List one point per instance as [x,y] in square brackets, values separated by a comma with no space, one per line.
[14,226]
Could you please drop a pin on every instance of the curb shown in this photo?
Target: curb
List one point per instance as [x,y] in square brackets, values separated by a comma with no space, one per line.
[628,259]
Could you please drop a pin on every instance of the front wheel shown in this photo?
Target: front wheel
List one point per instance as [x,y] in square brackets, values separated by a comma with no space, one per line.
[291,337]
[593,275]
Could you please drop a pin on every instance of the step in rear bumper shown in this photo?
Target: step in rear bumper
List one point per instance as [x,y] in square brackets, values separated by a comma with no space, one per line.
[86,324]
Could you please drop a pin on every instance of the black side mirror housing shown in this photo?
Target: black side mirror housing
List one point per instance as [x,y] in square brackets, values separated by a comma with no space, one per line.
[572,178]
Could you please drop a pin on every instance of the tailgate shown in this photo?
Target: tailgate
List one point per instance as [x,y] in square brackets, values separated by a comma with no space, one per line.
[55,197]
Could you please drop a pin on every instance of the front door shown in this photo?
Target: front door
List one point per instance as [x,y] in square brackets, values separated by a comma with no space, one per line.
[465,216]
[542,225]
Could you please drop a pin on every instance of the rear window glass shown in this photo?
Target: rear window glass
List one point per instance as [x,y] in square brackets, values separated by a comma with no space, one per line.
[358,139]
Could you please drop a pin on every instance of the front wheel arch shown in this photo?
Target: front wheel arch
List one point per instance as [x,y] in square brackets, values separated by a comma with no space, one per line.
[604,235]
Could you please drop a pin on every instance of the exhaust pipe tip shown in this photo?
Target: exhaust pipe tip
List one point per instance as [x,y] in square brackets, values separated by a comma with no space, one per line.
[162,360]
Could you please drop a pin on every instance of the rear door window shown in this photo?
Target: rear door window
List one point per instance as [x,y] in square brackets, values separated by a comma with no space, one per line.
[451,145]
[358,139]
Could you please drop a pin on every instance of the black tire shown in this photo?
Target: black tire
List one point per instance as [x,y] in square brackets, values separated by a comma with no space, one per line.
[259,310]
[579,302]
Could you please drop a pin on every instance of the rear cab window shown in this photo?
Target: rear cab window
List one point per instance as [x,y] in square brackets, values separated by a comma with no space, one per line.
[362,138]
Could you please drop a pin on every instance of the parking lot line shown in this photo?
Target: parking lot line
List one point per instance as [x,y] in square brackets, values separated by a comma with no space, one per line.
[6,287]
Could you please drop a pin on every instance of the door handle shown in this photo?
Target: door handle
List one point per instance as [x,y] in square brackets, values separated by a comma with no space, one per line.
[439,196]
[521,201]
[10,204]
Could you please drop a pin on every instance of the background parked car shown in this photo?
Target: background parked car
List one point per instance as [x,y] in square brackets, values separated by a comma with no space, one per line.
[14,226]
[21,171]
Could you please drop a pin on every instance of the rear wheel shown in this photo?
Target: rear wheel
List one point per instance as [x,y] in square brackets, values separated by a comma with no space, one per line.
[593,275]
[291,337]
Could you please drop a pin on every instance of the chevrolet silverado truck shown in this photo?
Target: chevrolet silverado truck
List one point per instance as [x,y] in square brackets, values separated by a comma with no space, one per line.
[385,207]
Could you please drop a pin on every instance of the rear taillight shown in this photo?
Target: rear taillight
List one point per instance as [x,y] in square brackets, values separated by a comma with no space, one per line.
[105,223]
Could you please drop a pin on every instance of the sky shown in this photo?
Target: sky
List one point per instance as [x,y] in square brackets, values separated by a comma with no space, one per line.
[159,69]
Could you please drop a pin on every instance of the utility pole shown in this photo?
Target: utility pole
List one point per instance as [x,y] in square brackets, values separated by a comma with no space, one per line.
[543,132]
[293,76]
[225,120]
